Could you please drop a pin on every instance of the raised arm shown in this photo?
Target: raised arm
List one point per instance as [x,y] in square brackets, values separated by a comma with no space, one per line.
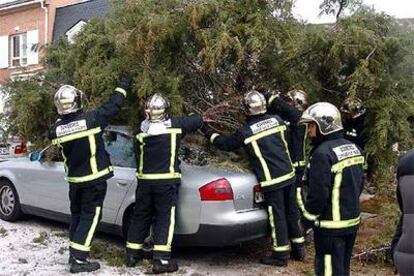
[110,109]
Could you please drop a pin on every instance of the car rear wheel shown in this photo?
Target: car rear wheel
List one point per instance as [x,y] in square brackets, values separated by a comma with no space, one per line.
[10,209]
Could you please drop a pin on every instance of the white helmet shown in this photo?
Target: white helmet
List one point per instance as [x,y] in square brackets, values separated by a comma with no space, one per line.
[326,116]
[353,106]
[157,108]
[68,99]
[299,98]
[254,103]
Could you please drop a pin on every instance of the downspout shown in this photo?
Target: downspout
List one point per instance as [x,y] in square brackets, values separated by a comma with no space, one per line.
[43,6]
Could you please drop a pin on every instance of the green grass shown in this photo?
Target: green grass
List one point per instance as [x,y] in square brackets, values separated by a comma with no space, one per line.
[113,255]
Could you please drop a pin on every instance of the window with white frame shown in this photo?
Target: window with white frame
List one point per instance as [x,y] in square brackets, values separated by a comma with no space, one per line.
[18,50]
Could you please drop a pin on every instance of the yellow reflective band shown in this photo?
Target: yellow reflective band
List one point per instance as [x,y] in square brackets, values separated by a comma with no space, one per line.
[298,240]
[92,161]
[301,205]
[340,166]
[93,226]
[122,91]
[262,161]
[272,226]
[79,247]
[65,160]
[213,137]
[135,246]
[262,134]
[327,261]
[164,248]
[75,136]
[303,162]
[143,135]
[173,148]
[141,158]
[171,228]
[159,175]
[336,191]
[271,99]
[295,165]
[89,177]
[329,224]
[278,179]
[281,248]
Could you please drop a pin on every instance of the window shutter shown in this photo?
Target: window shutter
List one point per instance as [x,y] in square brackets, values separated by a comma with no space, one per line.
[4,51]
[32,47]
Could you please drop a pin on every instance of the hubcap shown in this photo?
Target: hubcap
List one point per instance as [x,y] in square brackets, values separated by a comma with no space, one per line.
[7,200]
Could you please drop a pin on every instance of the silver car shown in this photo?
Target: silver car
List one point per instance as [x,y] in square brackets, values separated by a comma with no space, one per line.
[216,207]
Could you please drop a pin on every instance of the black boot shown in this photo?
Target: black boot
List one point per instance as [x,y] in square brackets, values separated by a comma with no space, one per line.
[275,260]
[79,265]
[298,252]
[164,266]
[132,261]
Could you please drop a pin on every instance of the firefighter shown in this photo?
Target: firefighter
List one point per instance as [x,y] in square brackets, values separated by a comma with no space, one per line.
[159,176]
[354,115]
[264,139]
[290,107]
[335,179]
[78,134]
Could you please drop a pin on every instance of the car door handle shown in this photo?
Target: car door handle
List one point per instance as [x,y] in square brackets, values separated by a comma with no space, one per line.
[122,183]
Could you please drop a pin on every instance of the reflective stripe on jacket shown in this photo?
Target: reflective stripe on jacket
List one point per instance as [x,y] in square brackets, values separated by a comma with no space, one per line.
[157,152]
[264,139]
[335,180]
[79,138]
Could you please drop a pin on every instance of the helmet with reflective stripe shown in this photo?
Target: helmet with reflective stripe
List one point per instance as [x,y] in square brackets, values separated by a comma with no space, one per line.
[299,98]
[326,116]
[254,103]
[157,108]
[353,106]
[68,99]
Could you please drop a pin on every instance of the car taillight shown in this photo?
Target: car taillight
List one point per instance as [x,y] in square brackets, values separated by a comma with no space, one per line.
[19,149]
[219,189]
[257,188]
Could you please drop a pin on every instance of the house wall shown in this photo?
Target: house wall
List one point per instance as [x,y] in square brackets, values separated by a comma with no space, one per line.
[17,21]
[29,18]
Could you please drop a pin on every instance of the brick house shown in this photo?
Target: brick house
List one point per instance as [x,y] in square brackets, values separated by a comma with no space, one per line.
[26,26]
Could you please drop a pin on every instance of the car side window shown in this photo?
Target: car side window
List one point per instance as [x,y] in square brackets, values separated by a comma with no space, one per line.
[120,148]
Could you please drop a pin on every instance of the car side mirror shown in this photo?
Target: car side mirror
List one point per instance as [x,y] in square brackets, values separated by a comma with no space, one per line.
[35,156]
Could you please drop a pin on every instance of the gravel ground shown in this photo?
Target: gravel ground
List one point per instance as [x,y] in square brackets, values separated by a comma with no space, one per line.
[39,247]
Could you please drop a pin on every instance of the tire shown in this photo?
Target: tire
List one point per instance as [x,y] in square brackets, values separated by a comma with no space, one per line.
[10,208]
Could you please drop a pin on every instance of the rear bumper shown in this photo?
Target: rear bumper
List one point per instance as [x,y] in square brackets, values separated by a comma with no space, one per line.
[245,227]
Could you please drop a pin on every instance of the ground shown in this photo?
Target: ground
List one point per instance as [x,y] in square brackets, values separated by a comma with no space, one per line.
[37,246]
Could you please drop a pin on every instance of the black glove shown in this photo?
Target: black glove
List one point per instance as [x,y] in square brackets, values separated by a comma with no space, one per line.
[125,81]
[206,130]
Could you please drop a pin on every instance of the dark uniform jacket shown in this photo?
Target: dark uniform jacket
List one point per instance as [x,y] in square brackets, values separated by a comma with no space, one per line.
[264,139]
[296,134]
[158,144]
[335,179]
[355,131]
[403,243]
[79,138]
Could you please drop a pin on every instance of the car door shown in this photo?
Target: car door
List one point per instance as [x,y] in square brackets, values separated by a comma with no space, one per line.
[120,148]
[47,180]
